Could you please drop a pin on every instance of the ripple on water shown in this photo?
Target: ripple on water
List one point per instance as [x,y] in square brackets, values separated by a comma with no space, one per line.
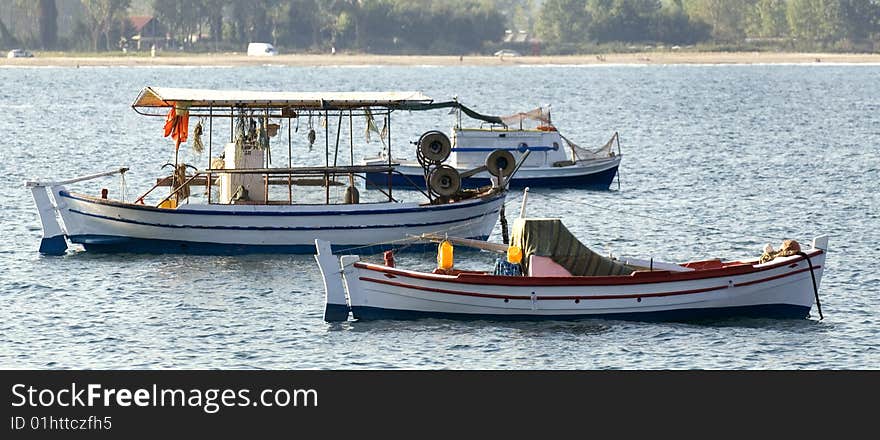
[718,160]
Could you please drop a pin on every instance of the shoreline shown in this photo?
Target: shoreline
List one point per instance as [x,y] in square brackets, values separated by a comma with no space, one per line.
[318,60]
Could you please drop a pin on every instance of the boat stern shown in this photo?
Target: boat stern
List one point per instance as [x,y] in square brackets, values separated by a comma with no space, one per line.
[54,241]
[820,243]
[336,306]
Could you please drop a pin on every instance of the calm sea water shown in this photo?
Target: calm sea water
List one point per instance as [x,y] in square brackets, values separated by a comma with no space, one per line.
[719,160]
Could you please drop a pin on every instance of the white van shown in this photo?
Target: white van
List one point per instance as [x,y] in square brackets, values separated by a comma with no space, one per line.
[261,49]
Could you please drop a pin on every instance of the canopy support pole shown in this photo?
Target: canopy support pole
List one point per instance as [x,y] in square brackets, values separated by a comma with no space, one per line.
[388,126]
[289,163]
[210,147]
[327,155]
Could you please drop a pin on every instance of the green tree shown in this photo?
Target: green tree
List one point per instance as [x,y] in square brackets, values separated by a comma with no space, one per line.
[563,21]
[726,17]
[815,20]
[673,25]
[47,16]
[303,23]
[100,16]
[767,19]
[622,20]
[860,18]
[42,16]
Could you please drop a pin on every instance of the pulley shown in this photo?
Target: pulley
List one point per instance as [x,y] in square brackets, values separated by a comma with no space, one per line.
[500,163]
[435,147]
[444,180]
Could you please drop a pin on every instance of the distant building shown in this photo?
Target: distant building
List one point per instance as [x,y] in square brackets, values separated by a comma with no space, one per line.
[522,41]
[147,31]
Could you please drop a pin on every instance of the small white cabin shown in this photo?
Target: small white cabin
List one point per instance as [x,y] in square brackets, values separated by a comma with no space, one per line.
[470,146]
[261,50]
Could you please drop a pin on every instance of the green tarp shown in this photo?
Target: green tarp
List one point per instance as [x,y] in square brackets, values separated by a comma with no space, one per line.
[550,238]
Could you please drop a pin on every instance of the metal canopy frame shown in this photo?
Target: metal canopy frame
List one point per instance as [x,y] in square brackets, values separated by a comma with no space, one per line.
[230,104]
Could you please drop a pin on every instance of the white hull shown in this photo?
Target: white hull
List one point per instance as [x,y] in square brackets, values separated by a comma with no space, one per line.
[114,226]
[780,288]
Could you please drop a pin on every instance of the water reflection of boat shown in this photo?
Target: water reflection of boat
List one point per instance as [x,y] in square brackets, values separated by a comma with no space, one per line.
[549,274]
[555,161]
[239,203]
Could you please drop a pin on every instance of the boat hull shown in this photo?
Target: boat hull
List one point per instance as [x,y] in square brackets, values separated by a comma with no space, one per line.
[782,288]
[767,311]
[108,226]
[598,175]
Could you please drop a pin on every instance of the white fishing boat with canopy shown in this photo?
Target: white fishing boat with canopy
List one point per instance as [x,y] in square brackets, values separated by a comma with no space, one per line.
[239,203]
[555,161]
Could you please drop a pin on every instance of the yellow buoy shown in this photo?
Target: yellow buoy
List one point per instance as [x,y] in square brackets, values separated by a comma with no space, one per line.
[514,254]
[444,255]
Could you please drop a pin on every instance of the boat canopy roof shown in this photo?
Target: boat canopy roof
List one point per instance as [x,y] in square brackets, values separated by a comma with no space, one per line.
[158,97]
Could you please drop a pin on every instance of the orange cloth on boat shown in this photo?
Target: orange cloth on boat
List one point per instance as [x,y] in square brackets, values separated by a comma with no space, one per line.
[177,125]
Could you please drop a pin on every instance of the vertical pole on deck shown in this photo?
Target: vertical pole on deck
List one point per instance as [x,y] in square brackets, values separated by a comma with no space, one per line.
[388,122]
[210,145]
[350,137]
[289,163]
[338,133]
[268,154]
[174,182]
[327,155]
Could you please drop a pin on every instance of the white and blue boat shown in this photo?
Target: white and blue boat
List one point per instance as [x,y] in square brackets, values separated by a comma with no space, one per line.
[239,204]
[554,161]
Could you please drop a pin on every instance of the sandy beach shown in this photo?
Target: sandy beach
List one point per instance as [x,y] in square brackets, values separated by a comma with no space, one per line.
[238,59]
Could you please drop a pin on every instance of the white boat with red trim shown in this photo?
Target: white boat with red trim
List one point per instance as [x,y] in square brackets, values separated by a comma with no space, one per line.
[560,278]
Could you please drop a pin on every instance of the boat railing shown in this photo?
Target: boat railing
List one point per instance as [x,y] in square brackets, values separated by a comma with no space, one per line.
[35,183]
[288,176]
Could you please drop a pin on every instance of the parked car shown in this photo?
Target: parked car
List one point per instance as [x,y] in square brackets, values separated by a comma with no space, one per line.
[19,53]
[261,49]
[507,53]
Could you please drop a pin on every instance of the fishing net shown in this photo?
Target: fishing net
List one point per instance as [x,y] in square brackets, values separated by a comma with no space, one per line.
[604,151]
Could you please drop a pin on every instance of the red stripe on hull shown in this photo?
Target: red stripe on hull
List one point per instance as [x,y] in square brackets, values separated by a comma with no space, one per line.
[541,297]
[638,278]
[571,298]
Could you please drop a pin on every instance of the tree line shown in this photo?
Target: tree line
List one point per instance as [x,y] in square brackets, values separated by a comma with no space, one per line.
[380,26]
[573,25]
[447,26]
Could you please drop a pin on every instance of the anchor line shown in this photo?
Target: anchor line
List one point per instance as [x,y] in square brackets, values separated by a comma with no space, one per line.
[815,287]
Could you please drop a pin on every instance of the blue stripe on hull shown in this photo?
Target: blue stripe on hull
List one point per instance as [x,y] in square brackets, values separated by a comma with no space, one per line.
[774,311]
[601,180]
[381,211]
[117,244]
[277,228]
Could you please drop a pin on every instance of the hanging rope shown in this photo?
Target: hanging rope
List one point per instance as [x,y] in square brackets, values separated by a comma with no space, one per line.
[198,146]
